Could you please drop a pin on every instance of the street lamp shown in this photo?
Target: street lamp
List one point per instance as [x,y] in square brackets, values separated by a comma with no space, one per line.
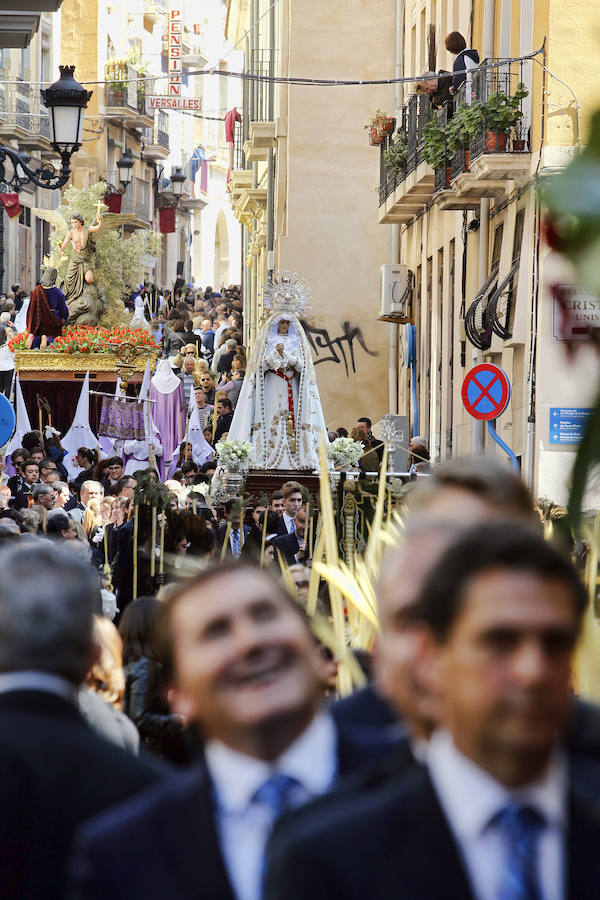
[125,166]
[66,100]
[178,179]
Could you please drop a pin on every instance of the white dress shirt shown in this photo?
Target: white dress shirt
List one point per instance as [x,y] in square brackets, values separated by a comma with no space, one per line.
[470,797]
[288,523]
[244,825]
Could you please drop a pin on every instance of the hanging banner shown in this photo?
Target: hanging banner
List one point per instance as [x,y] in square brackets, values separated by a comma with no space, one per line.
[175,36]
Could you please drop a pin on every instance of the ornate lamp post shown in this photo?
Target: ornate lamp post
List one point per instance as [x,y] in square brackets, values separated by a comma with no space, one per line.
[125,166]
[66,101]
[178,179]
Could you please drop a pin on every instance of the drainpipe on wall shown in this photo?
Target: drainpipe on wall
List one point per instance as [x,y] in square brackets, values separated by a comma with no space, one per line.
[395,248]
[477,431]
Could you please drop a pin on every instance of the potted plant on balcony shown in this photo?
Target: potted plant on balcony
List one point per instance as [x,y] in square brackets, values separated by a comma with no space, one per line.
[396,155]
[115,74]
[380,125]
[501,113]
[437,149]
[465,124]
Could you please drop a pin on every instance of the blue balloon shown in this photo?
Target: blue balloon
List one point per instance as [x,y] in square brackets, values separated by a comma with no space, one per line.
[8,420]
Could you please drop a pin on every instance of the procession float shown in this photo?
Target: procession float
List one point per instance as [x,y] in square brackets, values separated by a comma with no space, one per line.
[93,264]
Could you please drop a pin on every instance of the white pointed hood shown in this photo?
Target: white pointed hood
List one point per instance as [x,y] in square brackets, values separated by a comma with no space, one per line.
[164,379]
[201,449]
[23,424]
[79,434]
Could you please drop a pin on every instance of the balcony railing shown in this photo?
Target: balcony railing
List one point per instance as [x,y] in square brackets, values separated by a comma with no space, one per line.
[412,123]
[485,82]
[261,94]
[124,94]
[21,106]
[239,157]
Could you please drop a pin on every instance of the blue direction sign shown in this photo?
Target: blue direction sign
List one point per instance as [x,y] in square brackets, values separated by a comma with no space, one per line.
[567,424]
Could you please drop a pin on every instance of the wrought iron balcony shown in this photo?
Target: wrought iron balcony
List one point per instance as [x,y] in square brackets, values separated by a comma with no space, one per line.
[24,118]
[402,192]
[482,167]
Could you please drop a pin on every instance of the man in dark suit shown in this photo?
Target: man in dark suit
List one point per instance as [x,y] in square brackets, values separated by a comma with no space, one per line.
[293,499]
[293,546]
[233,513]
[224,418]
[243,667]
[55,771]
[31,475]
[487,815]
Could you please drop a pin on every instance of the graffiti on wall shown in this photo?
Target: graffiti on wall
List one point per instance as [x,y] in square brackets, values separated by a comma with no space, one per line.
[338,350]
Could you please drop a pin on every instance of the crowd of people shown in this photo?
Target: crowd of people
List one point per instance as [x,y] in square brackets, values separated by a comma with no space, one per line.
[198,747]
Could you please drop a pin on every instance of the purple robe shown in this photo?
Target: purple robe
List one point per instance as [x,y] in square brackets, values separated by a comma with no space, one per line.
[169,417]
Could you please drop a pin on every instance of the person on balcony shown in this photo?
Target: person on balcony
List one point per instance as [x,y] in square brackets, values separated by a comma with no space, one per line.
[465,61]
[439,87]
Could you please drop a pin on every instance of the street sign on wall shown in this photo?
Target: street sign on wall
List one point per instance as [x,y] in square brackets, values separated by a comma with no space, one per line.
[575,313]
[486,391]
[567,424]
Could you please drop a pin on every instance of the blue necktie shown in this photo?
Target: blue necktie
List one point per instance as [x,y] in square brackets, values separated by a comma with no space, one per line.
[277,793]
[521,828]
[235,543]
[292,527]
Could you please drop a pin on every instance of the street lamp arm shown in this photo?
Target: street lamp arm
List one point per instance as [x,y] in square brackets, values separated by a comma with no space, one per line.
[45,177]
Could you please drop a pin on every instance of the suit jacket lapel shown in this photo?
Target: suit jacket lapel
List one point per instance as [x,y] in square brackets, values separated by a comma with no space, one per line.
[583,835]
[194,843]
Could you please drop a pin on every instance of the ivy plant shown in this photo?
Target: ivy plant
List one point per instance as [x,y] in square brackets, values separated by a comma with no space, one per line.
[397,153]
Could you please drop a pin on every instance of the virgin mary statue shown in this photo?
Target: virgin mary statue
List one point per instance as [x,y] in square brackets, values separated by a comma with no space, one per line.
[279,408]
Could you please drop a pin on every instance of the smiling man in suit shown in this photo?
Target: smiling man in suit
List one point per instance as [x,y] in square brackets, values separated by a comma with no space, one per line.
[244,669]
[497,811]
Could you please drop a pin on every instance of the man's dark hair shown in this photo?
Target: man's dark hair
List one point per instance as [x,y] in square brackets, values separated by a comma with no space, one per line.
[20,451]
[503,545]
[276,495]
[47,601]
[124,482]
[226,402]
[31,439]
[78,217]
[114,461]
[58,521]
[207,466]
[164,636]
[189,466]
[29,462]
[455,42]
[46,465]
[366,420]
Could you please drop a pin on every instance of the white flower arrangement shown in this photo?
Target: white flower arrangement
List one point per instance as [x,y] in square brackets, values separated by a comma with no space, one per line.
[345,452]
[234,455]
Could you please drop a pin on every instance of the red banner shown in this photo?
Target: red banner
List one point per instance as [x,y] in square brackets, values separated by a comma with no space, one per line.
[166,220]
[11,205]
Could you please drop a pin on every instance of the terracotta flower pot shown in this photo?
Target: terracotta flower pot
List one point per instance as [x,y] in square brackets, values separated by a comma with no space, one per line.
[518,145]
[467,160]
[448,176]
[495,141]
[375,138]
[386,126]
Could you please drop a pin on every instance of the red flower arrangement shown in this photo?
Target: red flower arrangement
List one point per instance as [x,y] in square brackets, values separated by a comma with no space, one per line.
[93,339]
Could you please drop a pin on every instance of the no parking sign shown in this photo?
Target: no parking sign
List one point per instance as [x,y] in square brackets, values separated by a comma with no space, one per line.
[486,391]
[485,395]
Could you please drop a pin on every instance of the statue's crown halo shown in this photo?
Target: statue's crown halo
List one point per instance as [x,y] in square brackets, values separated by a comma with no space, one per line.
[287,293]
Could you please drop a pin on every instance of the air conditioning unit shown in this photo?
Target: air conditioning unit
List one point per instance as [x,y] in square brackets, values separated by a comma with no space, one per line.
[395,290]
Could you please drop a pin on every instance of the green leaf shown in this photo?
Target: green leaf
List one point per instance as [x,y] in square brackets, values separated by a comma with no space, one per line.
[588,455]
